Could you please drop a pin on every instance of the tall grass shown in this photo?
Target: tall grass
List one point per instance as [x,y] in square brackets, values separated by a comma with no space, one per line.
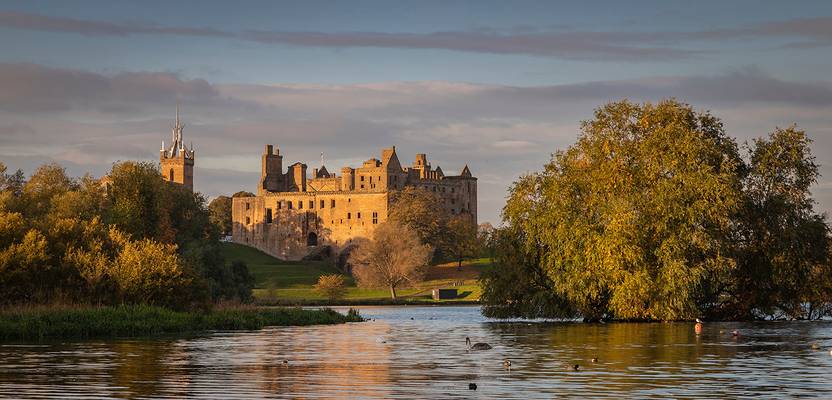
[61,322]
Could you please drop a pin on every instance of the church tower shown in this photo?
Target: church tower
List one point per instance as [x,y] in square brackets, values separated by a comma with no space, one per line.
[177,161]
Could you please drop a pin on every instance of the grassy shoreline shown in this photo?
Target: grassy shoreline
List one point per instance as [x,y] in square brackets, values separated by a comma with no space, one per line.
[44,322]
[280,282]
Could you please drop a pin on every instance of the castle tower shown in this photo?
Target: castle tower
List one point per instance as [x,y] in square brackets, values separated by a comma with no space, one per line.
[177,161]
[271,176]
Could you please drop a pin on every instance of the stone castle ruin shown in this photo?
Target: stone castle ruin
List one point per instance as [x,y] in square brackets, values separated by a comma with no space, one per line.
[293,214]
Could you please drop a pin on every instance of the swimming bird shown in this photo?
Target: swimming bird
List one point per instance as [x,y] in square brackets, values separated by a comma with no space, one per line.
[472,386]
[594,359]
[575,367]
[815,346]
[285,362]
[507,364]
[698,327]
[735,333]
[476,346]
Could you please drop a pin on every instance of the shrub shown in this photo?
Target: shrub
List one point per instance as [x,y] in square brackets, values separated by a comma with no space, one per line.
[331,286]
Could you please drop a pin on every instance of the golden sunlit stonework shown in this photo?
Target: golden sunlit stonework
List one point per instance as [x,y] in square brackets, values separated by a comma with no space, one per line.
[292,214]
[177,161]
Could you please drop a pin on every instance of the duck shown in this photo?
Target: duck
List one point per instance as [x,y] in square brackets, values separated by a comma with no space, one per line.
[472,386]
[815,346]
[285,362]
[735,333]
[477,346]
[575,367]
[698,327]
[507,364]
[594,359]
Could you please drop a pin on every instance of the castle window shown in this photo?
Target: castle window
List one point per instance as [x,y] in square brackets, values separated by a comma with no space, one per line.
[349,215]
[248,221]
[248,206]
[349,200]
[322,203]
[171,175]
[300,204]
[375,217]
[332,203]
[362,178]
[279,204]
[268,215]
[289,204]
[311,204]
[362,186]
[452,190]
[358,215]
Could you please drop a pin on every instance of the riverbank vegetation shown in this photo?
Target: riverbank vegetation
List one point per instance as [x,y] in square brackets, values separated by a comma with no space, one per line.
[655,213]
[128,238]
[82,322]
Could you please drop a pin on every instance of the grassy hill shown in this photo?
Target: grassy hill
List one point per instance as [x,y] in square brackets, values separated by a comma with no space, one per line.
[284,282]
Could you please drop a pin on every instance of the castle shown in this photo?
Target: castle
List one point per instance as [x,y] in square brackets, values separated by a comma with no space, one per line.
[292,213]
[177,161]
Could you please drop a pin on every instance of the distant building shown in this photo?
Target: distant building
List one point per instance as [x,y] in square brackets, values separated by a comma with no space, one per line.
[177,161]
[292,212]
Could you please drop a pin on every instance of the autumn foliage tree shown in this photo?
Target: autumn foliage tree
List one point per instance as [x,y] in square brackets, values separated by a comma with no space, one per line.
[331,286]
[131,238]
[654,215]
[393,258]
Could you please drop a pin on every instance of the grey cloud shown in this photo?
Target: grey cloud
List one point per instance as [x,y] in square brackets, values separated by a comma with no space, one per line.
[631,46]
[500,131]
[19,20]
[579,45]
[32,87]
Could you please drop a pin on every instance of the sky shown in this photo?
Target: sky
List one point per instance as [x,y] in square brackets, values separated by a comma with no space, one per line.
[499,86]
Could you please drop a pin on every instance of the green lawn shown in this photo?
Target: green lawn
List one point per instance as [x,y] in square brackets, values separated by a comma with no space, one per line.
[292,281]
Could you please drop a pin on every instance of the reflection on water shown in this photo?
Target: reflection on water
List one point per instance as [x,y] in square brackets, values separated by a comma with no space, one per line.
[419,352]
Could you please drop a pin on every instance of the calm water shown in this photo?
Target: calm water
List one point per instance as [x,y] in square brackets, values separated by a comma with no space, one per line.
[425,357]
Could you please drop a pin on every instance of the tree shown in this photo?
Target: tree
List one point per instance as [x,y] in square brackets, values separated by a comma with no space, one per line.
[331,286]
[420,210]
[242,193]
[461,239]
[783,264]
[220,212]
[633,221]
[393,258]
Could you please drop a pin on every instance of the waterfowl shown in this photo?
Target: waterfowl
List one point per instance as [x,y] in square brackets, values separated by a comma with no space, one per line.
[815,346]
[472,386]
[698,327]
[735,333]
[594,359]
[477,346]
[285,362]
[507,364]
[481,346]
[575,367]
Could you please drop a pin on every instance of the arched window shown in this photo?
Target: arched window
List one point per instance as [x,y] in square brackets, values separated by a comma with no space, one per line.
[171,175]
[312,239]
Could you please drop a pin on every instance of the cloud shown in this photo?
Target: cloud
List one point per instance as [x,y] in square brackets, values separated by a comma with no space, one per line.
[499,131]
[629,46]
[32,87]
[20,20]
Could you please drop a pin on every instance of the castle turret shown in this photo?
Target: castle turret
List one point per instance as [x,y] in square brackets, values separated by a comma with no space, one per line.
[347,178]
[271,175]
[297,177]
[177,161]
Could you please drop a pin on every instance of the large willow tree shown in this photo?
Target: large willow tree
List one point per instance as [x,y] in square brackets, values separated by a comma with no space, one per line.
[632,221]
[653,215]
